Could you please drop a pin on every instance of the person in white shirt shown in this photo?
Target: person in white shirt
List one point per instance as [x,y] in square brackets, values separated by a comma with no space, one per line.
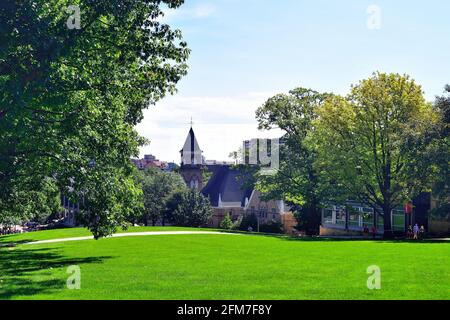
[416,231]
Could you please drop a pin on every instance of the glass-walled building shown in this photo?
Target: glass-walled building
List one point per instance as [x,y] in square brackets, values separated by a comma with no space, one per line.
[355,217]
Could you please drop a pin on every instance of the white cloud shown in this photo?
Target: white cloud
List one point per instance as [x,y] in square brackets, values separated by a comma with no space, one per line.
[204,10]
[220,123]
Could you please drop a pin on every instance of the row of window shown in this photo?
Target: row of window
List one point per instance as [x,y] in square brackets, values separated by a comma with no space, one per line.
[262,212]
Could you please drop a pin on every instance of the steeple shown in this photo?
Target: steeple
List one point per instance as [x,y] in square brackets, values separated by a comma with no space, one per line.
[191,154]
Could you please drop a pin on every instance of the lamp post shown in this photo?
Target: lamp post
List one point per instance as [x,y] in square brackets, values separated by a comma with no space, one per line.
[257,220]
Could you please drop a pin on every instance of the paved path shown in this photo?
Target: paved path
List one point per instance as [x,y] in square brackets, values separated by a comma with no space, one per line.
[133,234]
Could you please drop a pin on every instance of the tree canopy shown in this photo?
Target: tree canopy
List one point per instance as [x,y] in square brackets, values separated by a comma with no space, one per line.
[296,181]
[441,151]
[70,98]
[373,143]
[158,187]
[382,145]
[189,209]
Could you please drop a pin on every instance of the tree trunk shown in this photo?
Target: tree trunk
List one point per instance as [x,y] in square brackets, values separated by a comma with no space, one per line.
[388,232]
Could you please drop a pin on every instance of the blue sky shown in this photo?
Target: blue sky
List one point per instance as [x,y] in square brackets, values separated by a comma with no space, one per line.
[244,51]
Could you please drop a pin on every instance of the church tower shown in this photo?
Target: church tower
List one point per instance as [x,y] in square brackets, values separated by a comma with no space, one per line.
[192,162]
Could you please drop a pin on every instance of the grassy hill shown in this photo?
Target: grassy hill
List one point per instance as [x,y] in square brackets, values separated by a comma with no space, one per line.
[220,267]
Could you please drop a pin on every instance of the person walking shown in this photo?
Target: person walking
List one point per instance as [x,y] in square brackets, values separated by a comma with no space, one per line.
[416,231]
[409,233]
[422,232]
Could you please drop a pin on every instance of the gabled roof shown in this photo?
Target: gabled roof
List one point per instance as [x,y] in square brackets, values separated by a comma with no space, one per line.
[226,186]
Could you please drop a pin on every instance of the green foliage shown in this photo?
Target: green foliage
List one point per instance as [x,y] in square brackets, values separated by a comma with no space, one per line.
[226,223]
[158,187]
[113,199]
[441,149]
[373,144]
[37,204]
[382,145]
[206,175]
[308,219]
[249,221]
[271,227]
[297,181]
[189,209]
[71,98]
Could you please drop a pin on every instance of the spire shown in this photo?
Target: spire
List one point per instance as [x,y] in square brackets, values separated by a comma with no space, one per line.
[191,154]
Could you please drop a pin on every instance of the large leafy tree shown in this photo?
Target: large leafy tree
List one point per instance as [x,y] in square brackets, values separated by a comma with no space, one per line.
[189,208]
[158,187]
[374,143]
[440,154]
[39,204]
[70,98]
[297,180]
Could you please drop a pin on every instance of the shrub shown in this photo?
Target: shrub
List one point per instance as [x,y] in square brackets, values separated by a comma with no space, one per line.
[271,227]
[226,223]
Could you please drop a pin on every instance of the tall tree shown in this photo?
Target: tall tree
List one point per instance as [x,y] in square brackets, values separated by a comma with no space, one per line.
[373,143]
[71,94]
[296,181]
[158,188]
[442,149]
[189,208]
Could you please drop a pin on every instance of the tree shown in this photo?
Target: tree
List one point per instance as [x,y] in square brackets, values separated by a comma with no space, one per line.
[70,98]
[297,180]
[373,143]
[158,187]
[190,209]
[36,205]
[226,223]
[440,157]
[441,188]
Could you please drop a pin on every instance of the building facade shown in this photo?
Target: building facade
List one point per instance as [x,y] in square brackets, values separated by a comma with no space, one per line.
[226,189]
[149,161]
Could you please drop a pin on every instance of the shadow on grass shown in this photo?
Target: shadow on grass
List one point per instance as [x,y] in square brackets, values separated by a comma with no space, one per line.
[21,271]
[4,242]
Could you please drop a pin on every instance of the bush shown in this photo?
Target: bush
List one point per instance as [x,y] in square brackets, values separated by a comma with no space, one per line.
[271,227]
[249,221]
[226,223]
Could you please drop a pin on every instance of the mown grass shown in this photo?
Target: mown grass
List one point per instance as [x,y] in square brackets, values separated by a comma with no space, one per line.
[225,267]
[78,232]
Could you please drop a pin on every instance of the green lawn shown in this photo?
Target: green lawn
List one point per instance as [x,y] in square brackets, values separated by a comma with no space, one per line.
[222,267]
[78,232]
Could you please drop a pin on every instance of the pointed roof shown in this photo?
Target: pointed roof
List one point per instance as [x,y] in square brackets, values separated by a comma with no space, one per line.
[191,152]
[226,187]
